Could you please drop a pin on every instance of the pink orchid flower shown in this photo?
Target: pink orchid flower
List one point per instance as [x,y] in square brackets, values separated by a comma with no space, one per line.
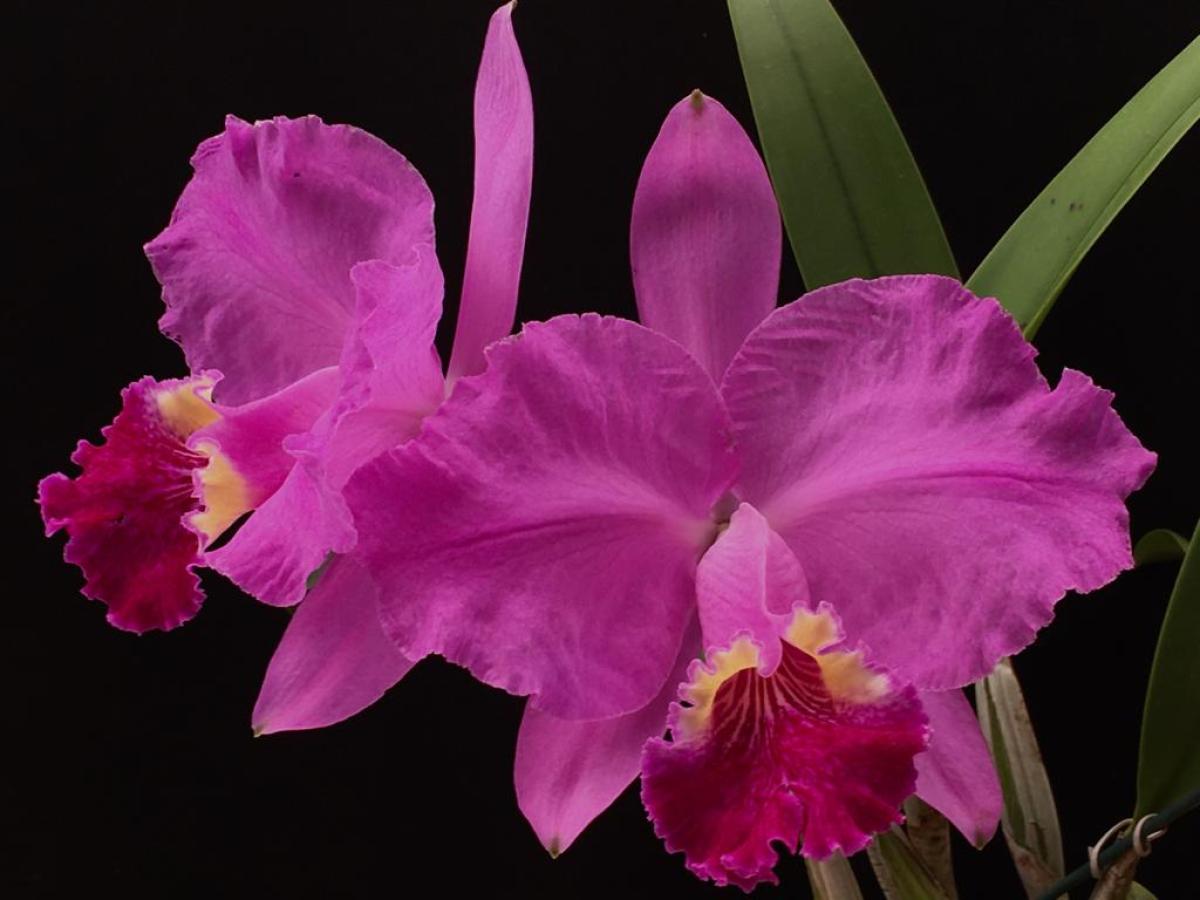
[300,279]
[608,502]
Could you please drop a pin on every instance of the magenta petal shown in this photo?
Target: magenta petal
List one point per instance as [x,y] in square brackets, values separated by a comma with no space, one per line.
[126,513]
[251,436]
[390,379]
[334,659]
[500,211]
[550,502]
[705,239]
[929,481]
[391,374]
[255,265]
[287,538]
[956,775]
[568,772]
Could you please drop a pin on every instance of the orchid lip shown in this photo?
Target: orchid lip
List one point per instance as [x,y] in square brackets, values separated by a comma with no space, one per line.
[816,755]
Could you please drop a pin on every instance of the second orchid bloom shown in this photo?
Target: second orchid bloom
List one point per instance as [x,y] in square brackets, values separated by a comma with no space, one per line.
[823,519]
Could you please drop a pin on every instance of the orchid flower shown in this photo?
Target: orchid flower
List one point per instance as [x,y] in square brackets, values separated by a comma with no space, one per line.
[823,519]
[300,279]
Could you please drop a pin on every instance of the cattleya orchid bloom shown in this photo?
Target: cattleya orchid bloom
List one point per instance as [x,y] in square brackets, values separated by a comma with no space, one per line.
[301,281]
[823,519]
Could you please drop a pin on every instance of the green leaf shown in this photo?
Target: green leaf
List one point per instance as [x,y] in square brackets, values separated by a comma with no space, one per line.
[1168,764]
[1034,259]
[832,879]
[929,833]
[899,870]
[1030,819]
[1137,892]
[1159,545]
[314,577]
[852,198]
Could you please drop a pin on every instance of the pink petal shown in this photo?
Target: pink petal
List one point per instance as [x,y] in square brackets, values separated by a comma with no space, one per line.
[929,481]
[255,265]
[334,659]
[705,240]
[820,752]
[550,502]
[568,772]
[500,211]
[390,379]
[391,374]
[956,775]
[287,538]
[126,513]
[252,435]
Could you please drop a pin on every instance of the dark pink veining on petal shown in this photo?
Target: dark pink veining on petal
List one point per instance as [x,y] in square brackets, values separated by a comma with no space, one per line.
[781,760]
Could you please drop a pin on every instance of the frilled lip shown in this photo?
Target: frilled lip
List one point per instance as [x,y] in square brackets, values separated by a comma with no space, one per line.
[129,514]
[817,755]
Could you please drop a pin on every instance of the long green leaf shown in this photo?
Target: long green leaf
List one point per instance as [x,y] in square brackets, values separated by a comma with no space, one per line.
[832,879]
[1030,819]
[1034,259]
[1159,545]
[1169,764]
[899,870]
[852,198]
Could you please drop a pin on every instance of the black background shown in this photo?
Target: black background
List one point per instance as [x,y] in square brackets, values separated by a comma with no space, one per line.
[131,765]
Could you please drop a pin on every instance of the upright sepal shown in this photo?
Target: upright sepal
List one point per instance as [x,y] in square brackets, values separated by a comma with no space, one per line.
[500,209]
[705,237]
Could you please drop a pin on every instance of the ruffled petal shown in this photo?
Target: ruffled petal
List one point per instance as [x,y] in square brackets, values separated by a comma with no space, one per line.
[288,537]
[334,659]
[929,481]
[390,378]
[705,239]
[127,513]
[956,775]
[816,755]
[255,265]
[391,374]
[568,772]
[248,445]
[551,501]
[500,210]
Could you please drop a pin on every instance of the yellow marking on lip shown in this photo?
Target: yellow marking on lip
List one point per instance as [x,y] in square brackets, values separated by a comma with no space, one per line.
[700,692]
[187,408]
[845,674]
[224,492]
